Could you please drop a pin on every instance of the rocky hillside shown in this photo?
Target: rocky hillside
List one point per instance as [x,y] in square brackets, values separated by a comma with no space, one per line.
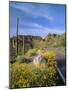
[51,40]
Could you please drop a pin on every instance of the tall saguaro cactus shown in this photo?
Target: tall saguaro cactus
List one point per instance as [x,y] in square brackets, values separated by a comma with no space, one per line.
[17,34]
[18,38]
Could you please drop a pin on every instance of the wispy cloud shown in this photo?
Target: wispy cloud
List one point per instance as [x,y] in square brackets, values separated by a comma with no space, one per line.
[30,25]
[37,19]
[35,10]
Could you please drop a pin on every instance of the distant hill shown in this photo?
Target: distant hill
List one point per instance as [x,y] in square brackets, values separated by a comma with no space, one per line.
[51,40]
[55,40]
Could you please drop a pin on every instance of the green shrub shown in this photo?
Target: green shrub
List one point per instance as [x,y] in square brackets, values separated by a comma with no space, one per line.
[23,59]
[12,54]
[31,52]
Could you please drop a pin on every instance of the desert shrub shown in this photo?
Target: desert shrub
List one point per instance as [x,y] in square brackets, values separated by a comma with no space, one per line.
[23,59]
[40,52]
[12,54]
[50,57]
[27,75]
[27,57]
[19,75]
[31,52]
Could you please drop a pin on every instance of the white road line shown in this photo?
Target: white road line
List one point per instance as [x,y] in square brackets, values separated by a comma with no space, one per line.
[60,73]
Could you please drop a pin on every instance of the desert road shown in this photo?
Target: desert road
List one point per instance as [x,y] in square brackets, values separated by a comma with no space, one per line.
[61,62]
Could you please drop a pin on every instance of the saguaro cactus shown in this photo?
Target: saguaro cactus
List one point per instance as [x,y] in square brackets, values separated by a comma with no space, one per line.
[17,34]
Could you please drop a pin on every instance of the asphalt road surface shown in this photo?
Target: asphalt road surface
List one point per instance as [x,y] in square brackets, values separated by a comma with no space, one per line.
[61,62]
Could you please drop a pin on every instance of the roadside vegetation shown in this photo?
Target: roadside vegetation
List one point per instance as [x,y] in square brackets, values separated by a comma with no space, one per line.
[23,71]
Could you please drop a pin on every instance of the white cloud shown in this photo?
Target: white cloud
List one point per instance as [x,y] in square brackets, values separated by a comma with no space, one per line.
[36,10]
[31,24]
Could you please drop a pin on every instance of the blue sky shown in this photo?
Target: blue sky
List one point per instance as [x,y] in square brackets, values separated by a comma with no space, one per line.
[37,19]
